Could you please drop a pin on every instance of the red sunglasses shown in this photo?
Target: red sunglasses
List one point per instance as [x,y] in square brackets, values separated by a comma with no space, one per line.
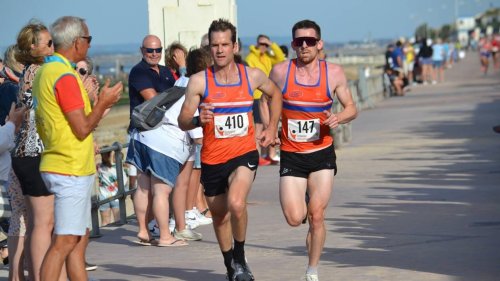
[299,41]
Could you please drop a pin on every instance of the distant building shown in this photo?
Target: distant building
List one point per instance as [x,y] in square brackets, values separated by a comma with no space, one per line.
[187,21]
[464,25]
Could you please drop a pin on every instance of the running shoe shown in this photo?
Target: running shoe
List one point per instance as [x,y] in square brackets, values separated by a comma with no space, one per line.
[311,277]
[153,228]
[241,272]
[187,234]
[90,267]
[195,215]
[264,162]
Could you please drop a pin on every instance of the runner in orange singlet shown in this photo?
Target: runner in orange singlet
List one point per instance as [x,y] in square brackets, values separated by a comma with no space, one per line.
[229,155]
[308,158]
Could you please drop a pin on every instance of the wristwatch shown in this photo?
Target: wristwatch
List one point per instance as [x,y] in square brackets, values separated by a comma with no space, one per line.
[196,121]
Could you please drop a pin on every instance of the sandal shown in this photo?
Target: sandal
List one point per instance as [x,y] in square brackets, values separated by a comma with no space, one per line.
[146,242]
[175,243]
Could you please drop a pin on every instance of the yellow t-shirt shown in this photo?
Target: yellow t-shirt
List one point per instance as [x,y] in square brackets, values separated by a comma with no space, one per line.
[264,61]
[64,153]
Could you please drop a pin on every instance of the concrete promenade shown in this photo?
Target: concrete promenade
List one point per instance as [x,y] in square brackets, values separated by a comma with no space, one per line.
[417,197]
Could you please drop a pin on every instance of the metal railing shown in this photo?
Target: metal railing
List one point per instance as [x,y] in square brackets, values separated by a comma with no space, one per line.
[121,195]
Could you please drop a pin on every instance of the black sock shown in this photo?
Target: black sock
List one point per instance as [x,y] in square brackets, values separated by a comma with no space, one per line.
[239,252]
[228,257]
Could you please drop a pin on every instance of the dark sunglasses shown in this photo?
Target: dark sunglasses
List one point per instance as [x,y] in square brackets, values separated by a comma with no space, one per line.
[89,38]
[310,41]
[82,71]
[49,43]
[151,50]
[263,44]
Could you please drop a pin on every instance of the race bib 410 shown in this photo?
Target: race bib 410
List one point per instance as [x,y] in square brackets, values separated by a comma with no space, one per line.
[230,126]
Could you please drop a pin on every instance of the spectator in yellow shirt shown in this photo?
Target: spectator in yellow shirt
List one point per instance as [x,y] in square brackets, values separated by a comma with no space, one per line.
[263,56]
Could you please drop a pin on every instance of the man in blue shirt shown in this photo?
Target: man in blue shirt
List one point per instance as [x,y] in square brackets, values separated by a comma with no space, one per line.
[148,78]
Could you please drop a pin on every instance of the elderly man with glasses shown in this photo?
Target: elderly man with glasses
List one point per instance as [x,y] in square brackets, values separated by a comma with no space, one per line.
[65,122]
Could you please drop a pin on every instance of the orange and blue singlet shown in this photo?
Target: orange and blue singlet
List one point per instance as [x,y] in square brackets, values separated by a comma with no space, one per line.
[302,116]
[231,133]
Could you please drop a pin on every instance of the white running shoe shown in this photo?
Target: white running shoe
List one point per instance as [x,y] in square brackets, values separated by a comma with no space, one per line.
[199,217]
[311,277]
[153,228]
[187,234]
[276,158]
[191,219]
[171,225]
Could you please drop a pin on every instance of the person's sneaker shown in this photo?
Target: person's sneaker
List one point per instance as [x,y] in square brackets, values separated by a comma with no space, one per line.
[187,234]
[311,277]
[275,159]
[90,267]
[229,274]
[241,272]
[171,225]
[153,228]
[200,218]
[264,162]
[191,220]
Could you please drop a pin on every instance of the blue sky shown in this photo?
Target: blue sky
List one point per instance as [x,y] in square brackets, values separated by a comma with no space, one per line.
[125,21]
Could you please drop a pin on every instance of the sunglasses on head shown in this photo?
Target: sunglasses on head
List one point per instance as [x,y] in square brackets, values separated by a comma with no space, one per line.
[310,41]
[89,38]
[151,50]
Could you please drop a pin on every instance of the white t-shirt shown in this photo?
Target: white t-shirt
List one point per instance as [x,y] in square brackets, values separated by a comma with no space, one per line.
[169,139]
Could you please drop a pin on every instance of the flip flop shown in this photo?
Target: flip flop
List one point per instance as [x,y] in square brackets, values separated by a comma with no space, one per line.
[175,243]
[146,242]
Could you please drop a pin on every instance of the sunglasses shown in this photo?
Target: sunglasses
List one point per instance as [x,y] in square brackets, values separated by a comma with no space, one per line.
[299,41]
[82,71]
[89,38]
[151,50]
[263,44]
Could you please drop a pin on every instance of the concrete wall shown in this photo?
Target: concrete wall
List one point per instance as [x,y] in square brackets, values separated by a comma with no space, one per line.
[187,20]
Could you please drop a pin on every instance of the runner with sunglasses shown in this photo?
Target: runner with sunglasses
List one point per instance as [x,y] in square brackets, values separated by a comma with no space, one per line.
[308,161]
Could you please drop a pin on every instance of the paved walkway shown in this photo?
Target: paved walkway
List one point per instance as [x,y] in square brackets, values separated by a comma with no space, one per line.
[417,197]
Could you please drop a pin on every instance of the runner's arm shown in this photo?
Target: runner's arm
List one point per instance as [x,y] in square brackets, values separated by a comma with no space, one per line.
[194,92]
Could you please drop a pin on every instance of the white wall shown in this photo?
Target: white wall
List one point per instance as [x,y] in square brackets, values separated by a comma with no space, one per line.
[187,20]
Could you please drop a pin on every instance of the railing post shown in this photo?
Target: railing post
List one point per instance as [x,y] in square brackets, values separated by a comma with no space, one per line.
[119,178]
[95,220]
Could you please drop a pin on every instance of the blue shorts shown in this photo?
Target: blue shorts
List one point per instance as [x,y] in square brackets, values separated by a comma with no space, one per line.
[71,203]
[437,63]
[425,61]
[111,204]
[153,163]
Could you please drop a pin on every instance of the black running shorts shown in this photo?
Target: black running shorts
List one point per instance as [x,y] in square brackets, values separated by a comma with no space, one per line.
[302,164]
[215,178]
